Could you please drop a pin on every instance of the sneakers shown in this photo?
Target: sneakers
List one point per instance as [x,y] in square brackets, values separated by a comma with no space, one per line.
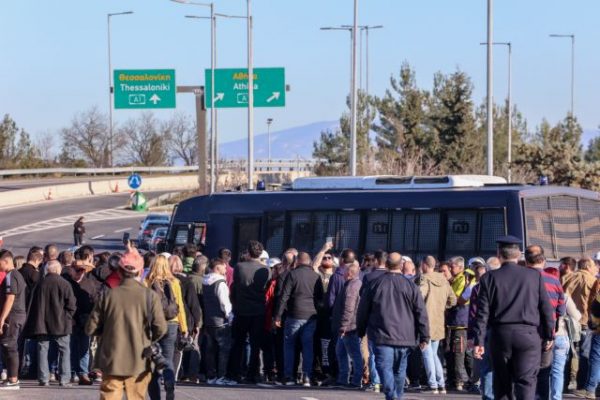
[430,390]
[289,382]
[572,385]
[74,379]
[42,383]
[442,390]
[3,375]
[377,388]
[459,387]
[225,382]
[212,381]
[306,381]
[8,385]
[584,394]
[66,384]
[85,380]
[352,386]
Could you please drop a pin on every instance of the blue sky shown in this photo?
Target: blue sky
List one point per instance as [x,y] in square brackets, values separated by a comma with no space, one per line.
[53,59]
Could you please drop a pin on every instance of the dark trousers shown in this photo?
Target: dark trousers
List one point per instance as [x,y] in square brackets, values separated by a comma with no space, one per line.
[458,343]
[78,239]
[268,349]
[516,354]
[167,345]
[218,346]
[9,342]
[543,380]
[244,326]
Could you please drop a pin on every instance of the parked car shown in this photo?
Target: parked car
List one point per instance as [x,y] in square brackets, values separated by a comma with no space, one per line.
[158,237]
[148,226]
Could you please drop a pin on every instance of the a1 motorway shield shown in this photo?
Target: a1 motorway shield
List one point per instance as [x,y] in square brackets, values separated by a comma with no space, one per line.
[144,88]
[231,87]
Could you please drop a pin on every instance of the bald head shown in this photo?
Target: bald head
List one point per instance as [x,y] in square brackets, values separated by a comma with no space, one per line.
[51,252]
[304,258]
[394,262]
[53,267]
[353,271]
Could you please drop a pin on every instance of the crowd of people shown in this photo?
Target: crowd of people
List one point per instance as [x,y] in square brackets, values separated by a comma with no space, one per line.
[384,323]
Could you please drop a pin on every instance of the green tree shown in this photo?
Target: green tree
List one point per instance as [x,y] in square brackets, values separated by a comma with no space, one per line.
[16,149]
[519,132]
[556,152]
[452,118]
[333,148]
[404,141]
[592,154]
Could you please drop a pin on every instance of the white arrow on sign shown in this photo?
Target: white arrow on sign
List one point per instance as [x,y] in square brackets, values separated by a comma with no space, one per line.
[274,97]
[155,99]
[218,97]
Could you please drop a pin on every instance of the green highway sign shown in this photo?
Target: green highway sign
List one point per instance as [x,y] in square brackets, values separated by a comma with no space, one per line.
[231,87]
[144,88]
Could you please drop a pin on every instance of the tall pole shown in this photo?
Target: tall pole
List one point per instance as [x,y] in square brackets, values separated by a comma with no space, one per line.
[509,112]
[110,88]
[213,56]
[269,122]
[250,100]
[110,85]
[490,88]
[354,95]
[572,78]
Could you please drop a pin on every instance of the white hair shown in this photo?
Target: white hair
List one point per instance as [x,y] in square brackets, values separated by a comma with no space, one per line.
[53,267]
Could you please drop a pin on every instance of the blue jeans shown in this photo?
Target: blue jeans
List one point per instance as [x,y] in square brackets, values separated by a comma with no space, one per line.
[594,366]
[560,352]
[305,329]
[348,346]
[62,343]
[80,353]
[391,365]
[167,345]
[433,365]
[374,376]
[486,382]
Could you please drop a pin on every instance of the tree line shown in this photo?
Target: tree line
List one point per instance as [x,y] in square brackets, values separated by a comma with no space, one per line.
[86,142]
[412,131]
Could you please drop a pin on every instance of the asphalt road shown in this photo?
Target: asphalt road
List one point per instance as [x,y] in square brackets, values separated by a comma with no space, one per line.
[30,390]
[52,222]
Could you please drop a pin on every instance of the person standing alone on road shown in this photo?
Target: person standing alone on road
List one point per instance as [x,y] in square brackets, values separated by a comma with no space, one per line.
[78,231]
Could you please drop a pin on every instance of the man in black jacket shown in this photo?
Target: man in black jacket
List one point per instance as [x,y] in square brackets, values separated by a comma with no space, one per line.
[248,298]
[392,313]
[513,304]
[302,293]
[86,291]
[51,319]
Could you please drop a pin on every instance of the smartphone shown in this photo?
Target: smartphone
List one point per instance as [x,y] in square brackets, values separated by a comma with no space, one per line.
[126,238]
[329,239]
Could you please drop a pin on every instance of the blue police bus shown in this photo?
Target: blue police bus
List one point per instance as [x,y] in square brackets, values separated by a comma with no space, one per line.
[441,215]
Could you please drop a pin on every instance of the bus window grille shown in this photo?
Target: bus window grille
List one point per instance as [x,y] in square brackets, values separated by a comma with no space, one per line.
[428,234]
[590,224]
[325,225]
[397,233]
[461,233]
[275,234]
[378,229]
[348,231]
[538,224]
[492,227]
[301,231]
[566,227]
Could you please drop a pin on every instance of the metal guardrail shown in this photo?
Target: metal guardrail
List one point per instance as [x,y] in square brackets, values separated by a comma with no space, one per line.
[259,165]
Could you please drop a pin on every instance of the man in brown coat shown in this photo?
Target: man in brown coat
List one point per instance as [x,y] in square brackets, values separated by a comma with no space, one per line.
[438,296]
[121,319]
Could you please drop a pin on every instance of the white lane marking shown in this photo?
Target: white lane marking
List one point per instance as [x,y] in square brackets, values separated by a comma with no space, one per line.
[98,237]
[122,230]
[100,215]
[309,398]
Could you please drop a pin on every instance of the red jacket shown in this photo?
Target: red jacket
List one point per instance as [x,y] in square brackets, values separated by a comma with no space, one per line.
[270,304]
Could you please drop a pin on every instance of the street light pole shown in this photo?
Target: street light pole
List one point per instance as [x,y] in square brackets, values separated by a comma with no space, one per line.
[509,145]
[354,95]
[572,37]
[110,104]
[250,98]
[490,89]
[269,122]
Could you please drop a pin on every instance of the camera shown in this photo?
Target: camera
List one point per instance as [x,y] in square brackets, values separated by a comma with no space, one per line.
[154,353]
[186,343]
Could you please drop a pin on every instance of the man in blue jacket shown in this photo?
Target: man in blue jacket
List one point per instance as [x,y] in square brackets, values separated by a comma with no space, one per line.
[392,313]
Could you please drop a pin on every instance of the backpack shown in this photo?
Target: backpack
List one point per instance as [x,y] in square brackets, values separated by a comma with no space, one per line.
[167,299]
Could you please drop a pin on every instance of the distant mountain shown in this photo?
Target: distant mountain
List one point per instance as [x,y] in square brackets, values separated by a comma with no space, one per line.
[290,143]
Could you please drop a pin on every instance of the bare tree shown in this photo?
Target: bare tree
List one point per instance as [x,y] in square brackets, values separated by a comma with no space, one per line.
[184,141]
[146,140]
[46,145]
[88,137]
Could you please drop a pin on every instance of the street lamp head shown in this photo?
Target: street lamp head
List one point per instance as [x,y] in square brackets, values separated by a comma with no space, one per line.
[269,121]
[120,13]
[196,17]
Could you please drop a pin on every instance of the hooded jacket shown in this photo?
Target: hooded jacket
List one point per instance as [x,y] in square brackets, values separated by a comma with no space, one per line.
[215,301]
[439,297]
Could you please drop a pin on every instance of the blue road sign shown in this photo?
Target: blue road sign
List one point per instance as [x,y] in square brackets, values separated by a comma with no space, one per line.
[134,181]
